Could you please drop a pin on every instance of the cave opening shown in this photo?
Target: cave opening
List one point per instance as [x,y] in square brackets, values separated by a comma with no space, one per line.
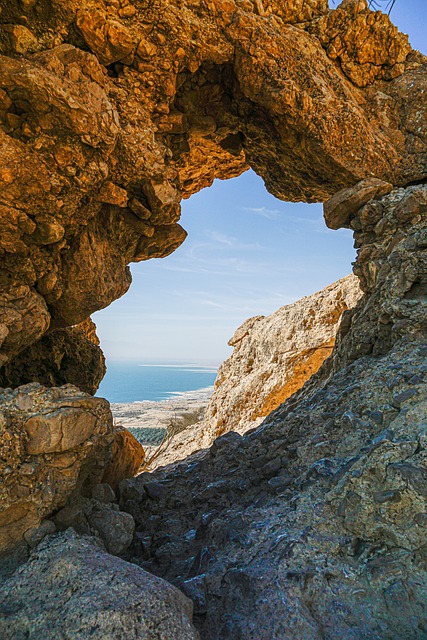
[247,254]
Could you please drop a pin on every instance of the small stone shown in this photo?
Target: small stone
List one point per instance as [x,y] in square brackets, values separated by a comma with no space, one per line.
[376,416]
[127,12]
[111,193]
[411,205]
[116,529]
[109,40]
[271,468]
[103,492]
[280,482]
[155,490]
[420,519]
[21,39]
[36,534]
[72,516]
[403,397]
[391,495]
[48,230]
[387,434]
[146,49]
[195,589]
[139,209]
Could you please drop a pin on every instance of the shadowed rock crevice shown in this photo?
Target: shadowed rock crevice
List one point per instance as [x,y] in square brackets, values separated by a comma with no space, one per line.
[67,356]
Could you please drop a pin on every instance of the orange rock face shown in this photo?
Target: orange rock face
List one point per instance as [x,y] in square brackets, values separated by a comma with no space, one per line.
[111,114]
[127,457]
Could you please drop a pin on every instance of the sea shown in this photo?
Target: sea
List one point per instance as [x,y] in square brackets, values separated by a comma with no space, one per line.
[137,381]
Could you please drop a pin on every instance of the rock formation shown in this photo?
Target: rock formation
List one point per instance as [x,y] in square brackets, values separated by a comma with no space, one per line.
[313,526]
[112,112]
[124,602]
[54,442]
[127,456]
[273,357]
[70,355]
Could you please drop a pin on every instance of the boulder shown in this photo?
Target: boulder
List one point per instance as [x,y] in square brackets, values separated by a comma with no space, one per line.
[339,209]
[126,459]
[72,588]
[55,442]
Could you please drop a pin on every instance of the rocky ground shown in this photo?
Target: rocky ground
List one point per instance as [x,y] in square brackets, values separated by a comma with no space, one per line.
[313,526]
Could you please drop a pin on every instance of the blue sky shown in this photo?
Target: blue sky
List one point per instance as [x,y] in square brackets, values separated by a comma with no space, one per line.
[246,254]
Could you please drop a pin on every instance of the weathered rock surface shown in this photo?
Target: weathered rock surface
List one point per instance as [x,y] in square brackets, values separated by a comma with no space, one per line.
[110,115]
[274,356]
[313,525]
[65,356]
[54,442]
[127,456]
[71,588]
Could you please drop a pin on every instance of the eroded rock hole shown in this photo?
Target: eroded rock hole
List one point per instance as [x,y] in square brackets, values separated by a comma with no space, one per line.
[236,263]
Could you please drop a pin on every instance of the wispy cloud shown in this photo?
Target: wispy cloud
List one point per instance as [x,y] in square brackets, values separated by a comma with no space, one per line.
[233,243]
[221,238]
[264,212]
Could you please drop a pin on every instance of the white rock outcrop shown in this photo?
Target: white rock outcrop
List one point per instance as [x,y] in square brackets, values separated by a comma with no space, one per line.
[275,355]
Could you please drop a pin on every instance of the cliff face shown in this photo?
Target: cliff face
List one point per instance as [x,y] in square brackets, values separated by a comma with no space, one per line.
[112,112]
[273,357]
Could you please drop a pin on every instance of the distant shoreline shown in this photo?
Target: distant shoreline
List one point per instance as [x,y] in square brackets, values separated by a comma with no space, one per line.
[128,383]
[157,413]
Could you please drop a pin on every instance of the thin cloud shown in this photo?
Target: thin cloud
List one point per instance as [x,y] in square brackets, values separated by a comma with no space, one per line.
[232,243]
[264,212]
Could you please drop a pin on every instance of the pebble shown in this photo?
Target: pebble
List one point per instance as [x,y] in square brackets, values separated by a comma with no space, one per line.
[392,495]
[155,490]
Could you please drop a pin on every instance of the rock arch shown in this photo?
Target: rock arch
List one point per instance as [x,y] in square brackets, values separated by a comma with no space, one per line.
[314,524]
[127,109]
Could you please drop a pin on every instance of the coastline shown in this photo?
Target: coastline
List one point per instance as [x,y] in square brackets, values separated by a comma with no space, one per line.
[149,420]
[157,413]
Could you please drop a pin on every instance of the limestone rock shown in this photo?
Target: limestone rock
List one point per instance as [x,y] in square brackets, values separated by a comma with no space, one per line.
[339,209]
[65,356]
[313,100]
[126,459]
[274,356]
[54,442]
[71,587]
